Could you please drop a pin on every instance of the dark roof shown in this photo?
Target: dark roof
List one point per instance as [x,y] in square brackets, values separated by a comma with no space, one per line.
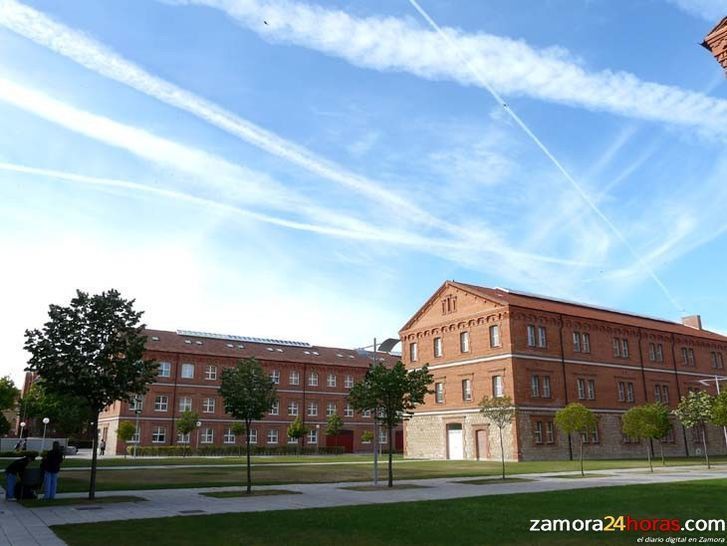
[574,309]
[206,344]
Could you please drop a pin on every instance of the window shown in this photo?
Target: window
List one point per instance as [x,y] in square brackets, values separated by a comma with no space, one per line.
[546,386]
[449,305]
[629,392]
[313,379]
[294,378]
[331,409]
[208,405]
[161,403]
[183,438]
[275,376]
[498,387]
[185,404]
[464,342]
[576,342]
[688,357]
[542,337]
[467,390]
[657,393]
[293,409]
[538,432]
[437,347]
[621,391]
[159,435]
[187,371]
[229,436]
[348,410]
[136,403]
[591,384]
[366,413]
[494,336]
[253,436]
[348,382]
[165,369]
[275,408]
[717,360]
[439,393]
[549,432]
[531,335]
[581,384]
[413,351]
[312,409]
[652,352]
[591,437]
[625,348]
[616,347]
[586,342]
[665,394]
[273,436]
[331,381]
[313,436]
[292,440]
[625,391]
[535,386]
[659,352]
[210,372]
[382,437]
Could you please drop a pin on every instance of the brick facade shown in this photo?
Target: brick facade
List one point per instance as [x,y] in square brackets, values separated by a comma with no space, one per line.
[545,353]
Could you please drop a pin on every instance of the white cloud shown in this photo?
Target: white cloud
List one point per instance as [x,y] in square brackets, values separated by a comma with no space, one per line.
[710,10]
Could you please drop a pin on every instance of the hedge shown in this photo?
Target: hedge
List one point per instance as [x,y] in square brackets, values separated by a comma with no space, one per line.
[180,451]
[18,454]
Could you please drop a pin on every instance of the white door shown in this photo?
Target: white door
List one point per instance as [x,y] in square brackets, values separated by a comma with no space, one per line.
[456,446]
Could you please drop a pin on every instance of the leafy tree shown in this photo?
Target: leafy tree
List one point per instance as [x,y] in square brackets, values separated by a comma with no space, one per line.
[501,411]
[249,393]
[719,409]
[390,393]
[4,425]
[8,393]
[68,414]
[296,430]
[663,423]
[646,422]
[695,410]
[238,429]
[576,418]
[367,436]
[125,432]
[92,349]
[186,424]
[334,424]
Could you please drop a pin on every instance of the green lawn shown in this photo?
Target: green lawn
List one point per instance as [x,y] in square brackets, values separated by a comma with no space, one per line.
[310,472]
[494,520]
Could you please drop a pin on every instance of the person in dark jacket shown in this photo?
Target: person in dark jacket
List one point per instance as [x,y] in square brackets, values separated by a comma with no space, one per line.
[51,467]
[13,472]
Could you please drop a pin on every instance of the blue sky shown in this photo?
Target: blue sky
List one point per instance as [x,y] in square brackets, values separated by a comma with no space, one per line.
[315,170]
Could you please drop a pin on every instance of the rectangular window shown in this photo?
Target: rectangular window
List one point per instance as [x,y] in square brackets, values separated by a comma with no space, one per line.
[652,352]
[581,384]
[531,335]
[161,403]
[659,352]
[549,432]
[185,404]
[591,389]
[534,386]
[348,382]
[187,371]
[136,403]
[413,351]
[275,376]
[275,408]
[210,372]
[183,438]
[586,339]
[331,382]
[437,347]
[546,386]
[229,437]
[253,436]
[293,409]
[576,342]
[464,342]
[312,409]
[208,436]
[685,356]
[366,413]
[665,394]
[294,378]
[313,379]
[313,436]
[498,386]
[292,440]
[165,369]
[273,436]
[538,432]
[616,347]
[348,411]
[595,438]
[382,437]
[467,390]
[135,437]
[159,435]
[542,337]
[439,393]
[621,391]
[657,393]
[717,360]
[494,335]
[625,348]
[688,357]
[208,405]
[629,392]
[331,409]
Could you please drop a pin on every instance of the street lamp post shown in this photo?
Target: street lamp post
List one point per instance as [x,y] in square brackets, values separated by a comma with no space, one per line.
[717,379]
[376,427]
[45,427]
[138,430]
[199,424]
[22,428]
[318,437]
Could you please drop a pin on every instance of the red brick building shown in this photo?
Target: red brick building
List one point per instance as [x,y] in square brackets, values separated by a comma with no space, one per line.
[716,42]
[545,353]
[312,383]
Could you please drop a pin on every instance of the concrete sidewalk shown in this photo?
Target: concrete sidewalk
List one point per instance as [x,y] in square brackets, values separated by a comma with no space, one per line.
[29,526]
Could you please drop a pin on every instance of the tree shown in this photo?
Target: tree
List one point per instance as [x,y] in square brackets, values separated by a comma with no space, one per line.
[695,410]
[4,425]
[390,393]
[500,410]
[8,393]
[68,414]
[296,430]
[367,436]
[238,429]
[663,423]
[646,422]
[334,424]
[249,393]
[186,424]
[576,418]
[719,409]
[92,349]
[125,432]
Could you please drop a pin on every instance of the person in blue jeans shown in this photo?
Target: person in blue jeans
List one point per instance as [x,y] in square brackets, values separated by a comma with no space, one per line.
[51,466]
[13,472]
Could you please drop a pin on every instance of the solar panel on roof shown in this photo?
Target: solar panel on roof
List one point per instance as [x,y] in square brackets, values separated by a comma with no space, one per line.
[248,339]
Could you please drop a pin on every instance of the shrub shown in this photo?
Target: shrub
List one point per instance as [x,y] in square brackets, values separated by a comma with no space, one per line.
[207,451]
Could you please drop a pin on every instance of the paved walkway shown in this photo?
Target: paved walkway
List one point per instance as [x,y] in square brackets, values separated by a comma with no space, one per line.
[23,526]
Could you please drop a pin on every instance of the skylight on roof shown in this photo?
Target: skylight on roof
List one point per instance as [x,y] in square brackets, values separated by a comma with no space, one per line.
[269,341]
[155,338]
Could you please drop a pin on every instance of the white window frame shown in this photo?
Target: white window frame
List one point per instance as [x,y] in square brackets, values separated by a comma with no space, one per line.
[275,376]
[183,438]
[576,342]
[165,369]
[313,436]
[210,372]
[273,437]
[160,433]
[464,342]
[581,386]
[437,347]
[253,436]
[586,342]
[187,370]
[183,406]
[348,382]
[312,409]
[495,340]
[535,386]
[498,386]
[531,335]
[331,409]
[439,392]
[313,379]
[542,337]
[545,391]
[229,436]
[413,351]
[331,380]
[209,405]
[207,436]
[275,408]
[293,409]
[294,378]
[467,390]
[161,403]
[348,410]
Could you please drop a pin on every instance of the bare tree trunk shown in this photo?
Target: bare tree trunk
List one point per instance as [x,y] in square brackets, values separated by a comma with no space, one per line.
[502,453]
[581,457]
[94,457]
[648,456]
[704,443]
[247,445]
[661,449]
[391,451]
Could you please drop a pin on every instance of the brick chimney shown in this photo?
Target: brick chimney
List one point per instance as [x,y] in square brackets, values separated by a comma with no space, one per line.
[693,321]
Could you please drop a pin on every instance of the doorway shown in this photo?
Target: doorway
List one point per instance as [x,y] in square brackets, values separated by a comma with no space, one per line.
[455,442]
